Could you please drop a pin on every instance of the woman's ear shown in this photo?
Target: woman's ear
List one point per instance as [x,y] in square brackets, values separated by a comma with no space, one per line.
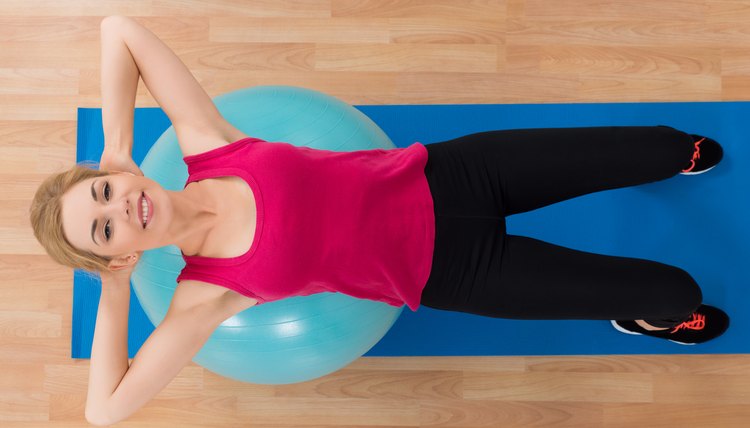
[124,262]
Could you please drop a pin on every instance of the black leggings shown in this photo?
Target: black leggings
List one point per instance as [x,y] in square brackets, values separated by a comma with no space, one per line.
[478,179]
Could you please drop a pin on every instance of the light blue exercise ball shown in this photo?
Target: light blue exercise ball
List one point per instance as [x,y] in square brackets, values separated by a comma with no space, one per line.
[290,340]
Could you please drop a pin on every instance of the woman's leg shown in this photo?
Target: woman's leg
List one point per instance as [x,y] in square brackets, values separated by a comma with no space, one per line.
[477,179]
[479,269]
[514,171]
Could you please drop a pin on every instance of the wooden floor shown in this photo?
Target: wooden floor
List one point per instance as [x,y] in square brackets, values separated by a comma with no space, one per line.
[365,52]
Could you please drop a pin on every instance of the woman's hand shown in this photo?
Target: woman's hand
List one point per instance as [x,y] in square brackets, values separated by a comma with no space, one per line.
[114,160]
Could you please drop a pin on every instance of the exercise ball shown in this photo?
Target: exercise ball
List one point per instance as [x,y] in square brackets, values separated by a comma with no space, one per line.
[290,340]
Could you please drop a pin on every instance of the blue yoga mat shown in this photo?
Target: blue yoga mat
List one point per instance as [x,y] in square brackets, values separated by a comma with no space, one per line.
[698,223]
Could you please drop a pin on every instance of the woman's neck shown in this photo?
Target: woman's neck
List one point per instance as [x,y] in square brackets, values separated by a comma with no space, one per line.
[195,216]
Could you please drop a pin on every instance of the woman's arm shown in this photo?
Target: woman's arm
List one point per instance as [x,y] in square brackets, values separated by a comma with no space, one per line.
[109,351]
[116,389]
[134,51]
[119,80]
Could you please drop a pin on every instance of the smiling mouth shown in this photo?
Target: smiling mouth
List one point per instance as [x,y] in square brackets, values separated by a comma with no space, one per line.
[145,210]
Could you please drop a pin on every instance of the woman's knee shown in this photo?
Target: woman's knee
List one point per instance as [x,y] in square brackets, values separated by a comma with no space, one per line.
[684,293]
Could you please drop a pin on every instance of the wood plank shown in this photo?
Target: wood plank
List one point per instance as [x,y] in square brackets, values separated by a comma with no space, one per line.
[29,324]
[75,8]
[24,294]
[255,8]
[488,30]
[214,410]
[25,107]
[381,384]
[685,88]
[18,406]
[22,187]
[22,160]
[423,9]
[329,411]
[38,81]
[600,32]
[663,10]
[735,88]
[623,87]
[245,56]
[67,407]
[441,363]
[19,377]
[48,134]
[407,57]
[727,11]
[215,384]
[676,415]
[735,62]
[564,387]
[657,364]
[299,30]
[488,413]
[19,242]
[701,389]
[50,54]
[37,350]
[628,60]
[485,88]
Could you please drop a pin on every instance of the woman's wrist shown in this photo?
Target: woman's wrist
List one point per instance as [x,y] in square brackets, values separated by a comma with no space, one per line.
[119,143]
[117,158]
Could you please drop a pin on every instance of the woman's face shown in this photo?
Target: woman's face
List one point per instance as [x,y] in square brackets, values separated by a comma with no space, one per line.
[104,214]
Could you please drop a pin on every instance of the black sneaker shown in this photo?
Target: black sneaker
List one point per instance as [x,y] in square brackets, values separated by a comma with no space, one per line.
[706,323]
[707,154]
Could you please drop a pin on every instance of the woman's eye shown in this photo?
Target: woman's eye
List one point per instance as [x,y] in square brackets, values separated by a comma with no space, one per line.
[106,191]
[107,231]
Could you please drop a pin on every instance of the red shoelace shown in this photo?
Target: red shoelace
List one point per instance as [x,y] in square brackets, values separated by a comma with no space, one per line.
[697,323]
[696,155]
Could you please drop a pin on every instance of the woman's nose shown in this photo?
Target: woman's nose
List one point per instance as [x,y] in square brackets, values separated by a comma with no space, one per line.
[120,209]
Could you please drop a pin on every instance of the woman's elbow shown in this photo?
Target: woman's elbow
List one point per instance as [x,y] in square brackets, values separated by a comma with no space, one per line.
[97,418]
[113,21]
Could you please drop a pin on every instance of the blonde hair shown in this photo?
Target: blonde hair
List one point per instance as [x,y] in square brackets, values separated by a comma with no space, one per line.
[46,219]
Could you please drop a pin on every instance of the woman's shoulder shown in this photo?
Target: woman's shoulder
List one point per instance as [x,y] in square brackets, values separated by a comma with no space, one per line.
[192,293]
[195,142]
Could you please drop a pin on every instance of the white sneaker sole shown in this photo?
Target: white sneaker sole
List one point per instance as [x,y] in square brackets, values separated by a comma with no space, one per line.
[699,172]
[622,330]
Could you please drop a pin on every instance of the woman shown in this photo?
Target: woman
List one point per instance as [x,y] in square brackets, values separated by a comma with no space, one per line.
[262,221]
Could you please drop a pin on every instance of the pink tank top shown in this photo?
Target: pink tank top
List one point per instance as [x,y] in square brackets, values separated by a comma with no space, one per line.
[360,223]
